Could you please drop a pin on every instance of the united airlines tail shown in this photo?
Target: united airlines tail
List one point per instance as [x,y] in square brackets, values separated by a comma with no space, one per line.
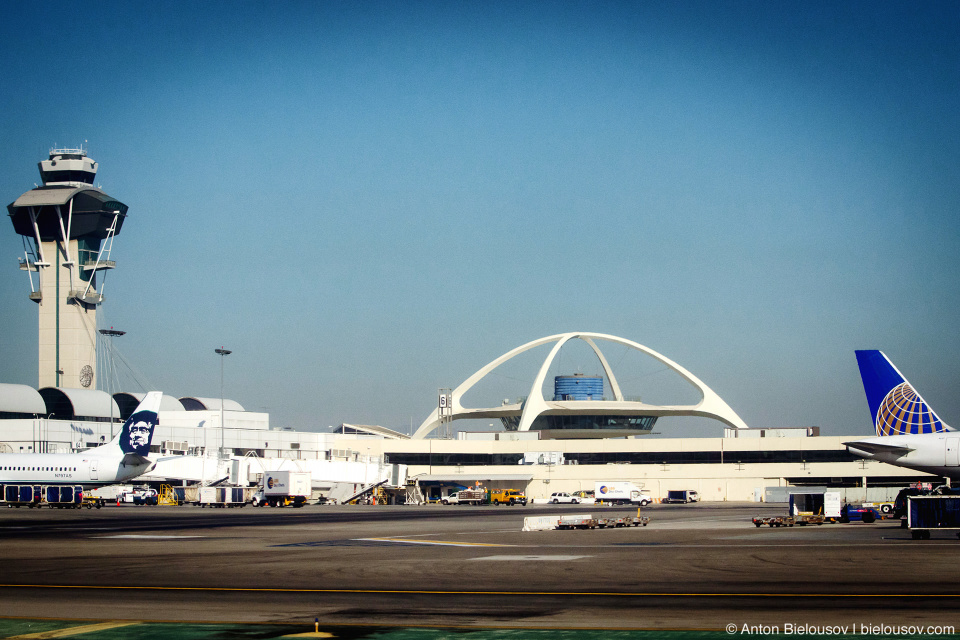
[895,406]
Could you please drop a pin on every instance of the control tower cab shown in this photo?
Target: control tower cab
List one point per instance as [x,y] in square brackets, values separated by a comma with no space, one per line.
[68,227]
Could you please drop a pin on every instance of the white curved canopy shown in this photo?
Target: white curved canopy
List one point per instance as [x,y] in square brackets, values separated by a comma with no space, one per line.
[19,398]
[195,403]
[89,403]
[709,406]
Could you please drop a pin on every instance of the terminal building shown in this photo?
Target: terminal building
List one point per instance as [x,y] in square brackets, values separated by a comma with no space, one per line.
[207,443]
[588,430]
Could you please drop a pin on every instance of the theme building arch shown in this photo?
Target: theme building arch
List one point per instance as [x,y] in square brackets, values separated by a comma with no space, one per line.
[710,405]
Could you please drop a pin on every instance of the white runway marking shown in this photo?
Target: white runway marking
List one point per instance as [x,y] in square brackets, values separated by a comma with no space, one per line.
[441,543]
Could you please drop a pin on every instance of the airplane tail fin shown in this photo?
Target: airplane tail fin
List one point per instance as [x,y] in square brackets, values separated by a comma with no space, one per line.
[137,432]
[895,406]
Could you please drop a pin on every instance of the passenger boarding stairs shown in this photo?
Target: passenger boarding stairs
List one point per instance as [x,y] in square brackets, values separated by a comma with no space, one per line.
[364,491]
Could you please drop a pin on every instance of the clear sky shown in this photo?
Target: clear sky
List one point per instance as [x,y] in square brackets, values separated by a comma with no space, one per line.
[367,201]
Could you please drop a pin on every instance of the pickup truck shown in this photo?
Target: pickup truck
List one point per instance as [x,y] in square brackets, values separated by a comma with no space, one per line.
[467,496]
[507,496]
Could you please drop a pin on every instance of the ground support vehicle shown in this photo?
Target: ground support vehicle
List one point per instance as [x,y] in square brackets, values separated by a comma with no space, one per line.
[22,495]
[102,495]
[261,500]
[93,501]
[171,496]
[563,498]
[824,503]
[882,510]
[139,497]
[284,488]
[636,521]
[774,521]
[925,513]
[854,513]
[222,497]
[507,496]
[55,496]
[63,496]
[920,489]
[577,522]
[789,521]
[682,497]
[589,522]
[621,493]
[466,496]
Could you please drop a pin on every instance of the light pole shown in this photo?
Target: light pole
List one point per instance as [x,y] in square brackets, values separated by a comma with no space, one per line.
[111,333]
[223,353]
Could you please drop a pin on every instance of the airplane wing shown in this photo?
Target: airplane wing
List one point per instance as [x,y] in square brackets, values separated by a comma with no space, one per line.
[876,447]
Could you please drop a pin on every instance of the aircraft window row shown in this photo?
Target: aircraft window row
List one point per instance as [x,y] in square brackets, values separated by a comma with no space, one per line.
[39,468]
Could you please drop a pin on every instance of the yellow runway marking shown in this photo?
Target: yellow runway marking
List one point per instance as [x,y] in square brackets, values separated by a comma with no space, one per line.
[434,542]
[72,631]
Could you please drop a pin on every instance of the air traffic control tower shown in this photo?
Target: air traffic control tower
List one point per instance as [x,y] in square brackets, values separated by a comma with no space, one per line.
[68,227]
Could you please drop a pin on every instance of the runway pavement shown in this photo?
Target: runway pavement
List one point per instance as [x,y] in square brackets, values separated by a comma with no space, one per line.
[700,566]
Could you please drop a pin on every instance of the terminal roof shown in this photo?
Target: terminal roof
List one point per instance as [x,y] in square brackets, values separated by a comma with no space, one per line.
[19,398]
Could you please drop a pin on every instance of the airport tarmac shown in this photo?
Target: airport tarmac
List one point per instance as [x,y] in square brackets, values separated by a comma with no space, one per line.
[700,566]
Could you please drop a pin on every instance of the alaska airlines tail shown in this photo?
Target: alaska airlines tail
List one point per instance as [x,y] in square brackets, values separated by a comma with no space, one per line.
[137,432]
[896,408]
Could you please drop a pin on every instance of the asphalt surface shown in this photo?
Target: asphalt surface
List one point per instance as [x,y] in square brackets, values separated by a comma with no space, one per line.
[702,566]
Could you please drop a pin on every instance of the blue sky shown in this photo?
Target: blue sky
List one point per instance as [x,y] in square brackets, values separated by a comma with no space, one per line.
[368,201]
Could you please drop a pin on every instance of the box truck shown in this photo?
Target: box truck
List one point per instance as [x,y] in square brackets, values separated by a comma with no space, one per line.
[621,493]
[682,497]
[283,488]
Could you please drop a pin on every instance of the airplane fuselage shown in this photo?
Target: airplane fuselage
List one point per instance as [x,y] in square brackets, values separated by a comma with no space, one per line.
[86,469]
[936,453]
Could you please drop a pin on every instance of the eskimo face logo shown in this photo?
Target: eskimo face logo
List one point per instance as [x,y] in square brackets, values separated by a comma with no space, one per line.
[139,432]
[904,412]
[269,483]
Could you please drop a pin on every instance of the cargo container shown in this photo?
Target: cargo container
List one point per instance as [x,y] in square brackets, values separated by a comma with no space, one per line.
[932,512]
[826,504]
[54,496]
[807,508]
[222,497]
[63,496]
[20,495]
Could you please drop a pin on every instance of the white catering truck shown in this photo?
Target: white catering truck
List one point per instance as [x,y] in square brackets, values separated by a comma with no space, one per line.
[621,493]
[282,488]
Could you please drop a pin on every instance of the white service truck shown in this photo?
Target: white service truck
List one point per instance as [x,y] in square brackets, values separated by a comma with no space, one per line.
[466,496]
[621,493]
[283,488]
